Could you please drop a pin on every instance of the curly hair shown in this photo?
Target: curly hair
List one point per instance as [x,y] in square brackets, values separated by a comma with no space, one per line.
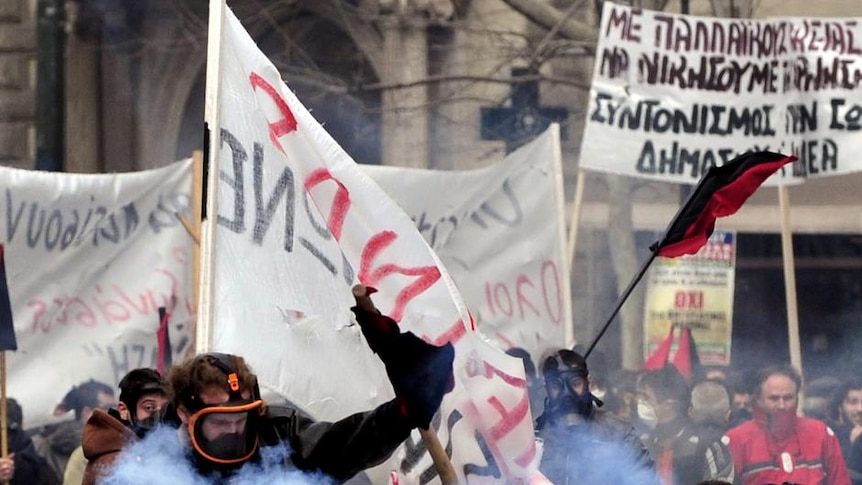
[189,379]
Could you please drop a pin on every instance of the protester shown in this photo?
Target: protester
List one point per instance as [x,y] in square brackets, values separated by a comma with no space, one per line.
[143,395]
[583,444]
[777,446]
[23,465]
[684,453]
[845,417]
[226,428]
[710,408]
[55,443]
[740,396]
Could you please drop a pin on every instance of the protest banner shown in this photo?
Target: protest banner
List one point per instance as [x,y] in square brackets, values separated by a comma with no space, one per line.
[500,231]
[675,94]
[296,224]
[697,291]
[90,259]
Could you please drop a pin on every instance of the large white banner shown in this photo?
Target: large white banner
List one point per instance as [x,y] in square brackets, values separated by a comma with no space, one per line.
[90,259]
[500,231]
[298,225]
[673,95]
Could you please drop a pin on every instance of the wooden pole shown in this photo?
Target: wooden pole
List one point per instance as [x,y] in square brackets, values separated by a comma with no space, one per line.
[575,220]
[789,279]
[4,410]
[195,229]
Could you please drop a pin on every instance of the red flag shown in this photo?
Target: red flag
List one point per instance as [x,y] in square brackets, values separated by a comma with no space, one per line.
[659,358]
[682,360]
[7,327]
[721,192]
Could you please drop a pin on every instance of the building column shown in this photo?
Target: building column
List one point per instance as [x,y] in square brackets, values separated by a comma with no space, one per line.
[17,83]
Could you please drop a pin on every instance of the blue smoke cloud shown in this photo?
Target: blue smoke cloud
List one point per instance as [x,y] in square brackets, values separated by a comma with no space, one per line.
[162,458]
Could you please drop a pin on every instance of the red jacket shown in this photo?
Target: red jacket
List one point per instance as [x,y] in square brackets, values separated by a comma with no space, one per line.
[811,455]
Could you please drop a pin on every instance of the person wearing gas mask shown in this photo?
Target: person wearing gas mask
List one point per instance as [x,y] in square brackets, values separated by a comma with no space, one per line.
[684,453]
[226,430]
[581,443]
[777,445]
[143,400]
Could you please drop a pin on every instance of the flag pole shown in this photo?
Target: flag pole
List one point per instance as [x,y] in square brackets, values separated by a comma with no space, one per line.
[789,278]
[654,249]
[212,138]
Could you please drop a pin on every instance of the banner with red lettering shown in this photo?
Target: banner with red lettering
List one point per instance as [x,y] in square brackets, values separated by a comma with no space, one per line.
[674,94]
[500,231]
[298,224]
[90,259]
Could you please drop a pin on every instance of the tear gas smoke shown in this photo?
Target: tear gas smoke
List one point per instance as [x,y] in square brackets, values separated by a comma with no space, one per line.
[162,458]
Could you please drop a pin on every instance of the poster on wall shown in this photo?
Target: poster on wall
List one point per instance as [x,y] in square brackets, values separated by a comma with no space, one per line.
[696,291]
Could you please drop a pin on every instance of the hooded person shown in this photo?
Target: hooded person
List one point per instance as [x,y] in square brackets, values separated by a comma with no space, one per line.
[582,443]
[225,426]
[143,399]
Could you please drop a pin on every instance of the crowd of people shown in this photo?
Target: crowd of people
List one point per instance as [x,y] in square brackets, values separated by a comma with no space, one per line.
[707,429]
[648,427]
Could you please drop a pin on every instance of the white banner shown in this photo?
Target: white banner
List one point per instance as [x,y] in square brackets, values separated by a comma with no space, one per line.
[90,259]
[673,95]
[500,231]
[298,225]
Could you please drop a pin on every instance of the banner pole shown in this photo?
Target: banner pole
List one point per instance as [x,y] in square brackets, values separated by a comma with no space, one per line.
[4,410]
[789,279]
[576,219]
[565,276]
[197,202]
[212,139]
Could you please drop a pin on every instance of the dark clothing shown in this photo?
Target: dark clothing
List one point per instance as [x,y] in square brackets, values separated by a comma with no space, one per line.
[30,468]
[852,451]
[55,443]
[105,436]
[599,449]
[687,454]
[337,450]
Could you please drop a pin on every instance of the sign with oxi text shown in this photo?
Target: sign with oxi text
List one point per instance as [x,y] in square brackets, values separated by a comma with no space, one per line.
[694,290]
[673,95]
[500,231]
[299,224]
[90,259]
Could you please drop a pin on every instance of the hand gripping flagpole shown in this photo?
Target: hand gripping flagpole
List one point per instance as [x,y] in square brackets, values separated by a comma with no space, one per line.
[429,436]
[720,192]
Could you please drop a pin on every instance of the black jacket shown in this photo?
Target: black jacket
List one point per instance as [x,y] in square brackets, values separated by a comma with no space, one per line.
[30,468]
[600,449]
[340,449]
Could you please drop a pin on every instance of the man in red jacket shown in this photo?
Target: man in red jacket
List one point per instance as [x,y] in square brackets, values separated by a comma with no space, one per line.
[777,446]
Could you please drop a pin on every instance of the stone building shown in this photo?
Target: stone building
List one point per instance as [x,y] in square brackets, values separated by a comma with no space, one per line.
[396,82]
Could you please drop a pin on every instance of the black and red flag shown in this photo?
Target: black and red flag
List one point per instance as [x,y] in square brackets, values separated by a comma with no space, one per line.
[7,328]
[721,192]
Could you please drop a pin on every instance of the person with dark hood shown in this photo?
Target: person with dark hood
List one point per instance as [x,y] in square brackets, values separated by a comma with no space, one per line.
[778,446]
[845,417]
[581,443]
[143,397]
[684,452]
[56,442]
[226,429]
[23,466]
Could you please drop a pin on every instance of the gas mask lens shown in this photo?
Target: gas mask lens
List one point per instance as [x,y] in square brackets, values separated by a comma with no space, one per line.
[572,381]
[226,433]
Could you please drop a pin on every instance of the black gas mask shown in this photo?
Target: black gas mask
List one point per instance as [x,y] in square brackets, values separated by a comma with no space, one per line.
[565,374]
[224,436]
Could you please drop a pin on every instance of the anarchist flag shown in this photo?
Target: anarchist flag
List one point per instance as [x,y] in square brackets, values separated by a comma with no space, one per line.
[7,328]
[721,192]
[686,359]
